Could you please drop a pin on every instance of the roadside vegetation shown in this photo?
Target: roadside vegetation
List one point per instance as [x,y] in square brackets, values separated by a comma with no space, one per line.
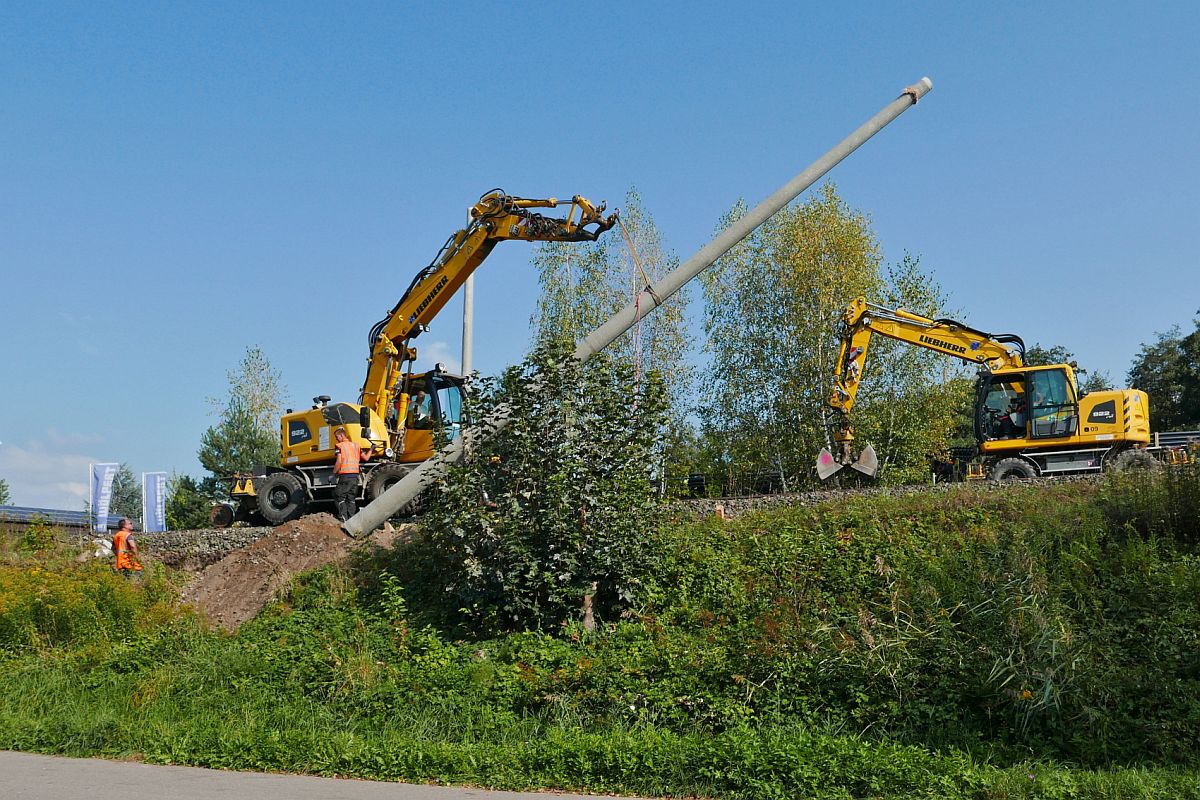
[1035,642]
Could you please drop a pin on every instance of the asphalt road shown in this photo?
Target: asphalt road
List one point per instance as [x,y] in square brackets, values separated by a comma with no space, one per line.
[25,776]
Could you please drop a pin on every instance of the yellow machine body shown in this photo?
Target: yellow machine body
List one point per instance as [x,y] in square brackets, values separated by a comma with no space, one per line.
[1059,416]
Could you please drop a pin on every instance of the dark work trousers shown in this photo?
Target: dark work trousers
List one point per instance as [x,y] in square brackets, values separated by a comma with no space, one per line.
[344,495]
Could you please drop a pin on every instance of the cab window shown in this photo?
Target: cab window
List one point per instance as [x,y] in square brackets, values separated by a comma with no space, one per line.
[340,414]
[420,407]
[1052,407]
[1001,393]
[449,406]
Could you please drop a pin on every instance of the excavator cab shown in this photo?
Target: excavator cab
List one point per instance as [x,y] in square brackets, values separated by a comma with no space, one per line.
[1016,407]
[428,413]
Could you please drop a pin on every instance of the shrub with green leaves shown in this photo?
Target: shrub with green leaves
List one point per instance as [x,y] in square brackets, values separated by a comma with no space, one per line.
[555,508]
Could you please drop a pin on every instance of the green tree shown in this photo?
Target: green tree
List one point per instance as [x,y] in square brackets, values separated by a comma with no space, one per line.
[247,432]
[1189,379]
[126,495]
[772,323]
[188,506]
[5,497]
[553,515]
[1168,370]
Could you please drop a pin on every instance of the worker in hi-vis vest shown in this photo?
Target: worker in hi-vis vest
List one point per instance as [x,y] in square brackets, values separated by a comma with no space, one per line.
[347,470]
[126,550]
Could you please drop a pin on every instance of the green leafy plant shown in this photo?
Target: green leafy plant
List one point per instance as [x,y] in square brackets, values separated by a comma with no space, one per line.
[551,516]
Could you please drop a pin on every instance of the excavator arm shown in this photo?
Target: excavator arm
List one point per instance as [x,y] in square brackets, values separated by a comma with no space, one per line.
[860,322]
[493,219]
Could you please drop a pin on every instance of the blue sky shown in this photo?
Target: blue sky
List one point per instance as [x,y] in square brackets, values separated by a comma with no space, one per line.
[179,181]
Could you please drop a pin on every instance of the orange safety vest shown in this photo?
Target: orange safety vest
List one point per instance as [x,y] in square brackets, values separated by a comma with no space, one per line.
[124,557]
[348,456]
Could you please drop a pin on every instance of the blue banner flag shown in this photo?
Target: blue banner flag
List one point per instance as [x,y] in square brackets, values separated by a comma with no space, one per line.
[102,481]
[154,501]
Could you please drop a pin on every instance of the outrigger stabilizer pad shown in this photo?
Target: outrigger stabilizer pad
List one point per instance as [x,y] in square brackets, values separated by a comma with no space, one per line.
[828,466]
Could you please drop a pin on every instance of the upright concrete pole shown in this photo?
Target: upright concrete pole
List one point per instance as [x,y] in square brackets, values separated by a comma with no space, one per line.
[468,343]
[407,489]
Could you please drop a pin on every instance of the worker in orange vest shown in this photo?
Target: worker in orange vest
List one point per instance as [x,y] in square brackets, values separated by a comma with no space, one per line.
[346,468]
[126,549]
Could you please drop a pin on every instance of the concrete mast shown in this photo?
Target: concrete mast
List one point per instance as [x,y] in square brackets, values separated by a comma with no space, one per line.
[410,487]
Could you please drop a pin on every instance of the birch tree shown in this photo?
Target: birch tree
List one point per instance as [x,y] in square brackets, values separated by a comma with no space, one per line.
[771,321]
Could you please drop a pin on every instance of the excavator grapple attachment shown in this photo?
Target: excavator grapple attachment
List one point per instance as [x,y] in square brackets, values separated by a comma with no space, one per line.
[827,465]
[867,463]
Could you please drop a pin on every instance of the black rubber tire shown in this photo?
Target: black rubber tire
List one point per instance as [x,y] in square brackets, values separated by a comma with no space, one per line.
[1012,469]
[383,477]
[1135,460]
[222,515]
[281,497]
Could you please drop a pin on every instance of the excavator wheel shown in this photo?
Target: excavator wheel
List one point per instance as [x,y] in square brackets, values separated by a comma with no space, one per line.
[1013,469]
[281,498]
[221,515]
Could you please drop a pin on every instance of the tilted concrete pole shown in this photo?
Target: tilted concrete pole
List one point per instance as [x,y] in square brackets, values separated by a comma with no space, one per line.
[410,487]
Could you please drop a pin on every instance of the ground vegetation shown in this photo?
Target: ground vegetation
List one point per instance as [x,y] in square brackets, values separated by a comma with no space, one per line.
[1036,642]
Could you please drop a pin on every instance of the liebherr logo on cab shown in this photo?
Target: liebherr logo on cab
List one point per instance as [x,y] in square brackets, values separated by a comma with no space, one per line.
[437,287]
[953,348]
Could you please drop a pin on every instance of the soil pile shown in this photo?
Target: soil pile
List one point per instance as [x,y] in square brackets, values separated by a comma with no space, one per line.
[237,587]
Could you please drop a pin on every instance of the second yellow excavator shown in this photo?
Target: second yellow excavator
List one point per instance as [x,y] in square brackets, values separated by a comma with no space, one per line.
[401,415]
[1029,420]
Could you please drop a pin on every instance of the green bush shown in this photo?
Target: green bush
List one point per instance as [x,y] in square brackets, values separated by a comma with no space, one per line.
[554,511]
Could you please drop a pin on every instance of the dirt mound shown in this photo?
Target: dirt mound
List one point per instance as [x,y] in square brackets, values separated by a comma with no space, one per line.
[237,587]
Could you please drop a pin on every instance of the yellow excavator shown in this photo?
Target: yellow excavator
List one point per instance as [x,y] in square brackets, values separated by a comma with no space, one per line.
[401,416]
[1029,420]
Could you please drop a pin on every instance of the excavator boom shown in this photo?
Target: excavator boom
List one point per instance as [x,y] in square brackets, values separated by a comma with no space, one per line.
[493,219]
